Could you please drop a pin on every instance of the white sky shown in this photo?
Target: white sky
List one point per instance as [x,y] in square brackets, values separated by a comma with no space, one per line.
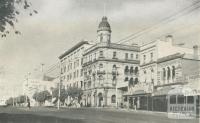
[62,23]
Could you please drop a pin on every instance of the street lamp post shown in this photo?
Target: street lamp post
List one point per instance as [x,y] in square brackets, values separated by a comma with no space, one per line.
[59,96]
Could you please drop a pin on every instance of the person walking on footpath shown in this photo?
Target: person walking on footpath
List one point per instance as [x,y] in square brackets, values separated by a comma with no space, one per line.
[29,105]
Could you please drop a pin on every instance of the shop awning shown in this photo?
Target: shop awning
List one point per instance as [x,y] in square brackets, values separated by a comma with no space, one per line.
[162,91]
[135,93]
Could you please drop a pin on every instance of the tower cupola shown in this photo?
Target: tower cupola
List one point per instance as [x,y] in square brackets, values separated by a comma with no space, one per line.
[104,31]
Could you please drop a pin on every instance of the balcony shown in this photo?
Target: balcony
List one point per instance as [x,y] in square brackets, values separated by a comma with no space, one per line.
[175,81]
[101,72]
[122,84]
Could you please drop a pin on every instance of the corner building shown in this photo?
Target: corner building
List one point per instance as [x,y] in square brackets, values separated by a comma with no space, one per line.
[108,67]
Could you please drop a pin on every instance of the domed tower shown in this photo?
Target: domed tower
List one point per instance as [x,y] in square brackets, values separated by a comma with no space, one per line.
[104,31]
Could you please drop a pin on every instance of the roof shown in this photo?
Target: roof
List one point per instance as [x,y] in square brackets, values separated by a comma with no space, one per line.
[104,25]
[112,46]
[170,57]
[73,48]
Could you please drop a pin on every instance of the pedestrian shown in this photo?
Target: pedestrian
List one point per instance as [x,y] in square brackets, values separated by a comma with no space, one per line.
[29,105]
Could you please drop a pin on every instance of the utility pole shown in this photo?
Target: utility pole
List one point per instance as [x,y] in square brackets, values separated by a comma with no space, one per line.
[42,67]
[59,84]
[27,79]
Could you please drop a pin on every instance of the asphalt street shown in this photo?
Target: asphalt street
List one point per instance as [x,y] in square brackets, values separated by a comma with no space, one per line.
[83,115]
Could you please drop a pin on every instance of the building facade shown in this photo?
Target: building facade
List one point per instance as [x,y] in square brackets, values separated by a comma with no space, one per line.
[163,67]
[71,65]
[108,68]
[129,76]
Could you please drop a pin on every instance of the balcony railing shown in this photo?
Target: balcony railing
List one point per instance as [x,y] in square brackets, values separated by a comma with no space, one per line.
[101,72]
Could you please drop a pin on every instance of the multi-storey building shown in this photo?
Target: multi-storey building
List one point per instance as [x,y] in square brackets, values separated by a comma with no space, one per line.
[109,69]
[163,66]
[131,76]
[71,65]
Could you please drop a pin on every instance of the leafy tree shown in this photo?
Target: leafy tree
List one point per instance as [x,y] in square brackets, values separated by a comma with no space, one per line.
[63,94]
[9,11]
[17,100]
[75,92]
[9,101]
[42,96]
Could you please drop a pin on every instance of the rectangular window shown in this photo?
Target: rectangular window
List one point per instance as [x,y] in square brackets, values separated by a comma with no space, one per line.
[190,100]
[74,74]
[81,72]
[181,99]
[136,56]
[144,58]
[81,61]
[131,56]
[95,55]
[77,62]
[126,56]
[151,56]
[100,53]
[114,54]
[77,72]
[173,99]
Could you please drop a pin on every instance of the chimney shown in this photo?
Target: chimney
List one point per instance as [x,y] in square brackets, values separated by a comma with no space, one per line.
[169,38]
[196,51]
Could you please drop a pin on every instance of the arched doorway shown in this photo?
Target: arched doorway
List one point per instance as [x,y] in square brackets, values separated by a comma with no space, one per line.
[100,100]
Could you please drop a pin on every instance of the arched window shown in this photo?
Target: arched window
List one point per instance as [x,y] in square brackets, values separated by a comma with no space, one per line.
[126,79]
[101,37]
[114,66]
[131,82]
[136,70]
[113,99]
[100,65]
[173,72]
[164,74]
[152,70]
[126,70]
[136,81]
[168,73]
[131,70]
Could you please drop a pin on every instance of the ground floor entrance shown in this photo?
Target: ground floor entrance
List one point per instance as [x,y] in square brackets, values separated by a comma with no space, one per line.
[99,97]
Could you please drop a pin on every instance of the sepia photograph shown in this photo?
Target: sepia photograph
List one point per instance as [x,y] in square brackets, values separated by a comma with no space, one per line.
[99,61]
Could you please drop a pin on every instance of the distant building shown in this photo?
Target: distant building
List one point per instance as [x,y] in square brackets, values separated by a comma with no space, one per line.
[46,80]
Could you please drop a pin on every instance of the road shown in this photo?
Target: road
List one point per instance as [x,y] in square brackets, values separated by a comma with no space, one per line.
[83,115]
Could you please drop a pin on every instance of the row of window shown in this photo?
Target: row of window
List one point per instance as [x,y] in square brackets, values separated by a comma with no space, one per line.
[168,73]
[131,70]
[180,99]
[101,55]
[71,66]
[145,57]
[76,74]
[74,54]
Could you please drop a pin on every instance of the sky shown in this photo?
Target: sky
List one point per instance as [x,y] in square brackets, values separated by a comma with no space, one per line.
[62,23]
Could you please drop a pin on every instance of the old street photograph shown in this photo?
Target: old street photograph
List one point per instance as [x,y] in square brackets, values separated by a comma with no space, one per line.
[99,61]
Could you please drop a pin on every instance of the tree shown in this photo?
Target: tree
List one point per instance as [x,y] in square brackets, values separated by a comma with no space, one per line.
[9,11]
[42,96]
[9,101]
[75,92]
[63,94]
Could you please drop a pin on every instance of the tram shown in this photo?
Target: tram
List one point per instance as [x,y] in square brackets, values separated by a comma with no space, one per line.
[183,103]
